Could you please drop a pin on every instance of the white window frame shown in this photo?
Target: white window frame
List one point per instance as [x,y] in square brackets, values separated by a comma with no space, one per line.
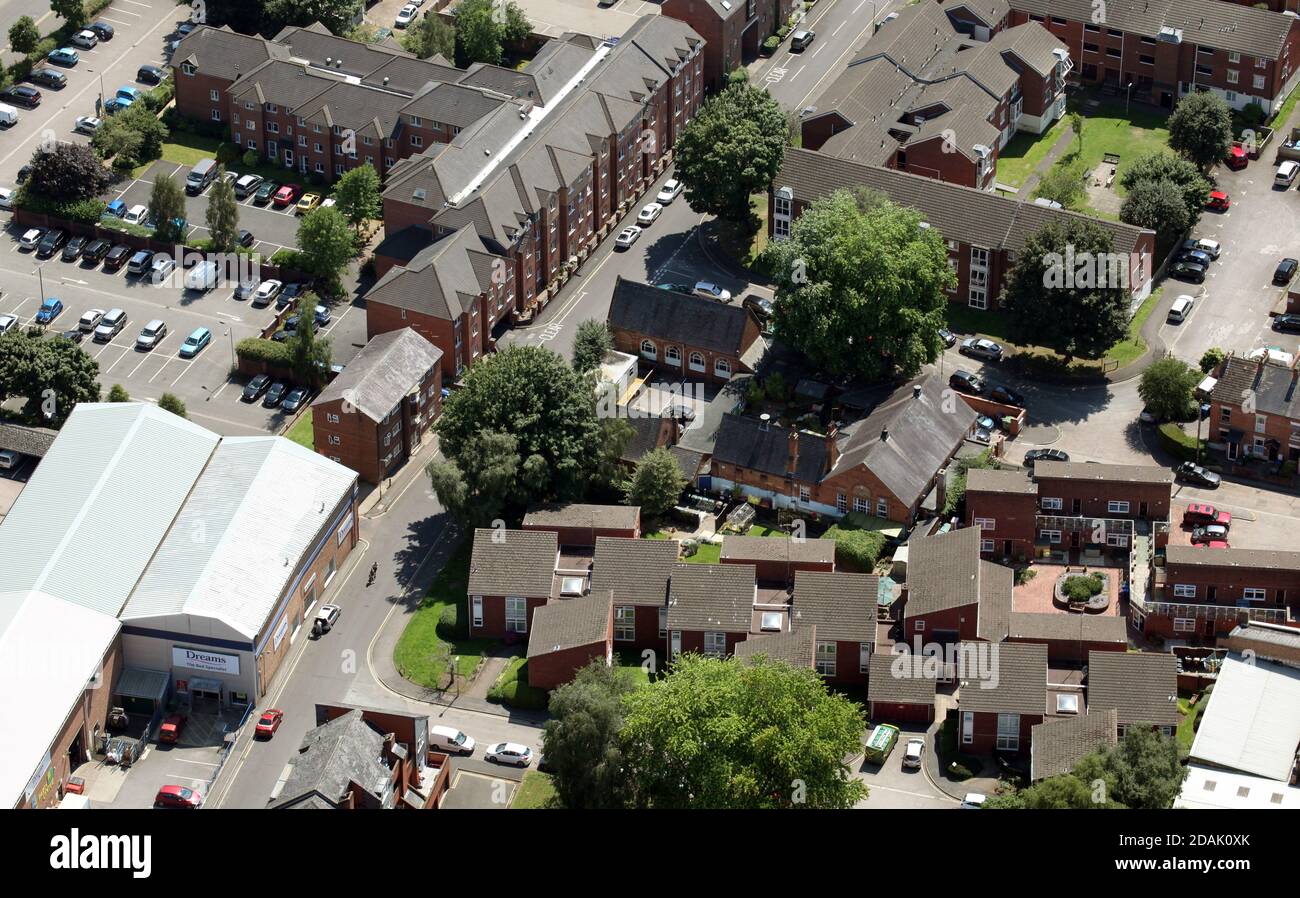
[882,507]
[1184,590]
[864,656]
[516,614]
[476,605]
[715,643]
[1117,506]
[1051,503]
[1053,537]
[824,658]
[841,503]
[987,545]
[986,523]
[624,623]
[1184,625]
[1008,738]
[1254,594]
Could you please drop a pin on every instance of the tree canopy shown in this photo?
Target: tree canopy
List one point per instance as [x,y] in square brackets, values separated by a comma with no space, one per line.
[485,29]
[68,172]
[1200,128]
[429,36]
[1166,387]
[167,208]
[223,214]
[359,195]
[581,740]
[52,375]
[1157,205]
[860,286]
[327,245]
[592,341]
[656,483]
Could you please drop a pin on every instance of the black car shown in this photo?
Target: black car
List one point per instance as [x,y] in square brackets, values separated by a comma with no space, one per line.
[1190,472]
[288,296]
[95,251]
[246,237]
[116,257]
[73,249]
[53,239]
[283,336]
[760,306]
[274,394]
[294,399]
[75,335]
[48,78]
[1007,395]
[21,95]
[1285,271]
[1199,256]
[966,383]
[103,30]
[150,74]
[1034,456]
[256,387]
[1289,323]
[1188,271]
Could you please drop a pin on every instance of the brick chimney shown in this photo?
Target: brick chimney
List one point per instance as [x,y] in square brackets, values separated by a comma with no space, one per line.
[792,462]
[832,448]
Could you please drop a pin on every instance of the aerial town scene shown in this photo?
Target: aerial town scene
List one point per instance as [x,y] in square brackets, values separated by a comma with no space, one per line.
[650,404]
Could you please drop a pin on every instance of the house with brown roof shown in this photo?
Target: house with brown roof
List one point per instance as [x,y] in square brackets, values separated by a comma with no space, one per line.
[1206,593]
[1256,407]
[952,595]
[890,464]
[794,647]
[636,572]
[776,559]
[512,573]
[1003,504]
[580,524]
[900,688]
[841,608]
[1142,688]
[1069,637]
[1057,745]
[1002,696]
[1082,505]
[710,608]
[567,635]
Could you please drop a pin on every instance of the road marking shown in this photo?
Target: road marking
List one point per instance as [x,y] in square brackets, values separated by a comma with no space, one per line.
[796,74]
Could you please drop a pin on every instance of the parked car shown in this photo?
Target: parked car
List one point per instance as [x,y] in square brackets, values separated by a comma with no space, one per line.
[246,237]
[266,291]
[47,77]
[1006,395]
[127,94]
[265,191]
[268,723]
[72,249]
[90,320]
[326,617]
[1195,255]
[1237,158]
[1218,201]
[245,290]
[762,307]
[178,797]
[64,56]
[510,753]
[966,382]
[948,337]
[72,336]
[140,262]
[1200,513]
[1204,244]
[980,348]
[284,196]
[1208,532]
[151,335]
[246,185]
[1190,472]
[801,40]
[8,323]
[710,290]
[161,268]
[50,309]
[627,237]
[110,325]
[274,394]
[671,190]
[195,342]
[51,242]
[116,257]
[6,198]
[308,202]
[1288,322]
[103,30]
[1285,271]
[675,288]
[254,389]
[405,16]
[914,753]
[21,95]
[88,124]
[294,399]
[451,740]
[31,238]
[1188,271]
[170,731]
[150,74]
[974,800]
[1036,455]
[95,251]
[649,213]
[136,214]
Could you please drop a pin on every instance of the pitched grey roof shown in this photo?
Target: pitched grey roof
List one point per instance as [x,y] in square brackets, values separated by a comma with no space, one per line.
[679,317]
[570,623]
[384,371]
[225,53]
[1053,627]
[1275,388]
[1245,559]
[1141,686]
[943,571]
[1017,681]
[987,12]
[751,444]
[959,213]
[515,563]
[999,480]
[778,548]
[577,514]
[635,570]
[442,280]
[1073,470]
[711,597]
[898,680]
[794,647]
[841,606]
[347,749]
[996,584]
[35,441]
[1057,745]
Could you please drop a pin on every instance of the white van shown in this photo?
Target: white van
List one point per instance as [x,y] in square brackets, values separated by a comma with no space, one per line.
[1286,173]
[8,115]
[202,276]
[1179,311]
[9,459]
[450,739]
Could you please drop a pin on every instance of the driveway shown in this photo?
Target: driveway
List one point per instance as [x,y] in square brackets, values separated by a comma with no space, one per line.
[893,787]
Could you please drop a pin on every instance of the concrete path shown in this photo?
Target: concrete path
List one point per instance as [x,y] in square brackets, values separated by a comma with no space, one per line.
[1059,149]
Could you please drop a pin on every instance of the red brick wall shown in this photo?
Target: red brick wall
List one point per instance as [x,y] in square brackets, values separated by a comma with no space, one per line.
[382,318]
[583,536]
[986,733]
[847,664]
[629,341]
[963,620]
[494,618]
[693,641]
[780,571]
[645,632]
[1281,587]
[557,668]
[1070,649]
[1014,516]
[1090,498]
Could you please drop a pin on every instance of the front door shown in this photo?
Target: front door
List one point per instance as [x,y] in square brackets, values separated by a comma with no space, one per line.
[1142,511]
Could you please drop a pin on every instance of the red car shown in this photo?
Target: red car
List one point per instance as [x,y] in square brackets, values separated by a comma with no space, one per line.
[269,723]
[1200,513]
[177,797]
[1236,158]
[284,196]
[1218,201]
[171,728]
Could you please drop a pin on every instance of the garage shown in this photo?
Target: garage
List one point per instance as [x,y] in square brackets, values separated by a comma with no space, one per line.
[899,693]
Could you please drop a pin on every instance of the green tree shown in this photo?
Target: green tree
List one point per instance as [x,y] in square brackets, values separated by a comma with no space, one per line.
[431,36]
[1076,125]
[69,172]
[24,36]
[732,150]
[1166,388]
[310,356]
[1062,184]
[581,740]
[223,214]
[478,33]
[657,482]
[170,402]
[167,207]
[480,492]
[861,290]
[1159,206]
[51,375]
[607,473]
[336,15]
[130,137]
[1144,771]
[359,195]
[1200,128]
[118,394]
[516,28]
[592,341]
[73,12]
[327,245]
[1054,793]
[1067,291]
[1211,359]
[716,733]
[1162,166]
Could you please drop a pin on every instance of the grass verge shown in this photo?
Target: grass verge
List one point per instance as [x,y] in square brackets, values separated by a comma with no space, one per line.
[420,654]
[536,792]
[301,431]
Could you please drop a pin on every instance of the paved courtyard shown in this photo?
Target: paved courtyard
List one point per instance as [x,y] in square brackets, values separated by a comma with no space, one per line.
[1036,595]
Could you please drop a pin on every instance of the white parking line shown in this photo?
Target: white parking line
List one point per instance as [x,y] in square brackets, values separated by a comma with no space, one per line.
[119,359]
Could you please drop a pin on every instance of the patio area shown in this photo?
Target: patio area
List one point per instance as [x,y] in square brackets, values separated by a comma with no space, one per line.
[1037,596]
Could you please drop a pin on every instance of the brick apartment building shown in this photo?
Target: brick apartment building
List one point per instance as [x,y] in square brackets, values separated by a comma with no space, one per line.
[1168,48]
[983,231]
[1003,505]
[936,94]
[636,572]
[1256,407]
[684,335]
[1204,593]
[733,30]
[567,636]
[1081,505]
[710,608]
[375,415]
[889,464]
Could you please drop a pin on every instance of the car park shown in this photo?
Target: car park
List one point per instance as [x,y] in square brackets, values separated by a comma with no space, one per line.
[110,325]
[1287,322]
[247,184]
[320,316]
[116,257]
[265,191]
[47,77]
[509,753]
[65,56]
[274,394]
[195,342]
[103,30]
[50,309]
[284,196]
[254,389]
[1033,456]
[671,190]
[710,290]
[51,242]
[1006,395]
[127,94]
[980,348]
[203,276]
[115,209]
[150,74]
[178,797]
[974,800]
[266,291]
[913,754]
[22,95]
[151,335]
[88,124]
[1208,532]
[72,249]
[1286,174]
[170,731]
[1237,157]
[140,262]
[627,237]
[285,334]
[1190,472]
[85,39]
[966,382]
[1200,513]
[268,723]
[326,617]
[649,213]
[1188,271]
[1285,271]
[31,238]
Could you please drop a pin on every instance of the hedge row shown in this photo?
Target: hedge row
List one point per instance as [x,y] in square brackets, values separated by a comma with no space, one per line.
[83,211]
[1177,443]
[858,548]
[268,351]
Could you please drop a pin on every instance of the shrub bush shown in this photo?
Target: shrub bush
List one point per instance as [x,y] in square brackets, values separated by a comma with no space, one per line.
[154,100]
[512,689]
[958,771]
[1082,587]
[448,629]
[251,159]
[256,349]
[770,45]
[1177,443]
[859,549]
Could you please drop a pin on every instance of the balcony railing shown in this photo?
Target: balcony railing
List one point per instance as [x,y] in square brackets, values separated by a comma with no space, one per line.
[1202,611]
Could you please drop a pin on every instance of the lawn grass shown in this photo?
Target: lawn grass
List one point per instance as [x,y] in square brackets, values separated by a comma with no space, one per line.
[708,553]
[1188,716]
[182,148]
[629,664]
[738,242]
[536,792]
[1132,347]
[416,655]
[1021,155]
[301,431]
[512,690]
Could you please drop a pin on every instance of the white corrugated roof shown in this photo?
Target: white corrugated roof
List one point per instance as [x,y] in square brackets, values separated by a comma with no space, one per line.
[1207,788]
[85,526]
[49,651]
[1252,722]
[251,516]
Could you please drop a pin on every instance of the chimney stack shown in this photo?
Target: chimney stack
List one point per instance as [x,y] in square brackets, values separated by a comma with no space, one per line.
[884,434]
[764,420]
[792,463]
[832,447]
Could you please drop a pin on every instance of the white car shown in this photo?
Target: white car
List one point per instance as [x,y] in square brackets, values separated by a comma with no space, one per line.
[406,15]
[510,753]
[649,212]
[710,290]
[136,214]
[267,291]
[1203,244]
[31,238]
[327,202]
[87,124]
[974,800]
[627,237]
[8,323]
[6,198]
[86,40]
[913,753]
[671,190]
[90,320]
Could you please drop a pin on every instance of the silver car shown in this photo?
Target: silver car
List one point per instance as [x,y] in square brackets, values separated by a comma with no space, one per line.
[980,348]
[151,336]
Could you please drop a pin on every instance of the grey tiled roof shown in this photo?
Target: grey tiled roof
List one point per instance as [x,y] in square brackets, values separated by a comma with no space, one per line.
[1275,388]
[778,548]
[517,563]
[794,647]
[841,606]
[383,372]
[636,570]
[989,12]
[570,623]
[679,317]
[1057,745]
[995,601]
[711,597]
[943,571]
[577,514]
[751,444]
[1058,627]
[1020,674]
[998,480]
[442,280]
[347,749]
[34,441]
[1141,686]
[1074,470]
[897,680]
[224,53]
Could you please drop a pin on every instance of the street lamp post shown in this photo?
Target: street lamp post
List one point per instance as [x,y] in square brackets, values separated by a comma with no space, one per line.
[1128,95]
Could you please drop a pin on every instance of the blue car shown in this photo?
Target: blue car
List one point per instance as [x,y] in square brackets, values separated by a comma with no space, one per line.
[49,310]
[128,95]
[65,56]
[195,342]
[117,209]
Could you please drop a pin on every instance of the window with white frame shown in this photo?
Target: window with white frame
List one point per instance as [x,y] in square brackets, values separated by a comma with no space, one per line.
[697,361]
[841,503]
[189,69]
[977,298]
[516,614]
[1117,506]
[864,656]
[1258,82]
[648,350]
[825,659]
[1261,423]
[1185,590]
[986,545]
[882,508]
[722,368]
[214,95]
[782,213]
[1119,540]
[1050,536]
[920,626]
[1052,504]
[332,418]
[1008,732]
[673,355]
[862,504]
[986,523]
[1184,625]
[663,623]
[625,623]
[477,605]
[1254,594]
[715,644]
